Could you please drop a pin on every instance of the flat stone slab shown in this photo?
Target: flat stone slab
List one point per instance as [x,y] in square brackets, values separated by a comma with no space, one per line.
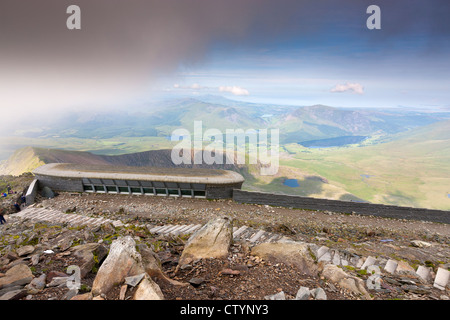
[370,261]
[441,279]
[134,280]
[391,266]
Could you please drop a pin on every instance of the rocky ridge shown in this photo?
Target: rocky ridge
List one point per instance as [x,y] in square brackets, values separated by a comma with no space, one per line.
[274,259]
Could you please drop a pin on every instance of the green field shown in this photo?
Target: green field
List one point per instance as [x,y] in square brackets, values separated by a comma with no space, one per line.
[412,170]
[405,160]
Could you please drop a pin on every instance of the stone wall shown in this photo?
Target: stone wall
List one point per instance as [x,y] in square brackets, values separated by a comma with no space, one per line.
[60,184]
[378,210]
[221,191]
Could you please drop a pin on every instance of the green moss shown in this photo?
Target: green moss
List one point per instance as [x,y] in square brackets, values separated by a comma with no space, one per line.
[76,242]
[362,272]
[312,254]
[84,288]
[349,268]
[157,246]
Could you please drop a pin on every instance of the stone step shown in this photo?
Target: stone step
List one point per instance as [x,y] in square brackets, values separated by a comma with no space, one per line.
[244,233]
[256,236]
[239,231]
[183,229]
[163,229]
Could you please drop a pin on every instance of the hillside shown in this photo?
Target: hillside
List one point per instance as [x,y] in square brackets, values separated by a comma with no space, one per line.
[29,158]
[161,118]
[275,253]
[411,170]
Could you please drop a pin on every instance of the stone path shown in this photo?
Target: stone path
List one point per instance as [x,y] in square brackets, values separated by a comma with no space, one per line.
[35,214]
[48,215]
[328,255]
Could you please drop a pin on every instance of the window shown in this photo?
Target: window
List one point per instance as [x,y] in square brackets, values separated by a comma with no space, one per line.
[199,193]
[111,188]
[88,188]
[136,190]
[186,193]
[173,192]
[148,190]
[99,188]
[124,190]
[161,192]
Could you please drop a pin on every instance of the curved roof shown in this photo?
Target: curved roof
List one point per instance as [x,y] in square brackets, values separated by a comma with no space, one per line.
[186,175]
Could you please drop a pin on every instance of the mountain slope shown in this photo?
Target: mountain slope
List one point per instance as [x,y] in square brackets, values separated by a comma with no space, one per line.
[29,158]
[412,170]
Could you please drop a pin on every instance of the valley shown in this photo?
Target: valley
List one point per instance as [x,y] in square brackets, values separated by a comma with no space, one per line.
[381,156]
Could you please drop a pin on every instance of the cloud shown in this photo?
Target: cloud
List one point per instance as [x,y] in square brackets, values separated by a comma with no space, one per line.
[237,91]
[353,87]
[194,86]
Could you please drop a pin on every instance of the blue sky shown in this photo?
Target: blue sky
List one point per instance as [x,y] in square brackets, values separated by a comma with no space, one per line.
[405,64]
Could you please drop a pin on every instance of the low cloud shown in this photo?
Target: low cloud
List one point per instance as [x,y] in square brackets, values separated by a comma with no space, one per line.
[237,91]
[194,86]
[352,87]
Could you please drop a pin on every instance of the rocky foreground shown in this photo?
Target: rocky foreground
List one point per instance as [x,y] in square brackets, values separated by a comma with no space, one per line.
[319,255]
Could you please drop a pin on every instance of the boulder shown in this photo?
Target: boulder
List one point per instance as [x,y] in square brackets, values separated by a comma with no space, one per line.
[148,290]
[47,193]
[55,274]
[18,275]
[213,240]
[303,294]
[58,282]
[36,284]
[289,252]
[420,244]
[25,250]
[35,259]
[88,255]
[14,295]
[338,276]
[319,294]
[276,296]
[122,261]
[404,268]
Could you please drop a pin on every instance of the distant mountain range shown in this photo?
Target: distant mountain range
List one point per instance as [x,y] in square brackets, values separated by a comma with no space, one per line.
[295,123]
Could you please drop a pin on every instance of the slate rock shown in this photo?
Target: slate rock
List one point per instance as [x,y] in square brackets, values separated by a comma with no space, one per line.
[148,290]
[25,250]
[122,261]
[319,294]
[134,280]
[303,294]
[277,296]
[213,240]
[14,295]
[196,281]
[17,275]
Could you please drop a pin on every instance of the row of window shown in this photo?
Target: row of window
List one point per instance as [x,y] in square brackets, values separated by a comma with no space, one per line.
[147,191]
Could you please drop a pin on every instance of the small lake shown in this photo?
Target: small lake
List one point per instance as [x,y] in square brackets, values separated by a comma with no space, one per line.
[293,183]
[366,176]
[332,142]
[448,195]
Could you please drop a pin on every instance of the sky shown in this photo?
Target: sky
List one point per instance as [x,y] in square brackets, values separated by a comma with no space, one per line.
[298,52]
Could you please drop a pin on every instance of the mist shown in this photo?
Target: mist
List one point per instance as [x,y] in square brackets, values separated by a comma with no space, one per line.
[124,46]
